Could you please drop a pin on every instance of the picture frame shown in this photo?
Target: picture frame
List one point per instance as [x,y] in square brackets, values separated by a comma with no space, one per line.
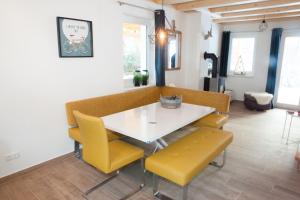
[75,37]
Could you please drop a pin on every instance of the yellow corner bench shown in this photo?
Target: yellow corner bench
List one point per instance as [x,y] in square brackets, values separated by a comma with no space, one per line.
[219,101]
[214,120]
[184,159]
[106,105]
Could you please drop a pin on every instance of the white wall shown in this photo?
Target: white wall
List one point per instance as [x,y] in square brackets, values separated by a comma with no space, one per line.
[194,67]
[35,83]
[211,45]
[261,59]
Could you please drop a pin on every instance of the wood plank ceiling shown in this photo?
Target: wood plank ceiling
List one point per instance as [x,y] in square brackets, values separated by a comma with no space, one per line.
[231,11]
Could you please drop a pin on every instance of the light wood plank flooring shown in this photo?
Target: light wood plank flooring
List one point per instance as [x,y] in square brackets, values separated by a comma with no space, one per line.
[259,166]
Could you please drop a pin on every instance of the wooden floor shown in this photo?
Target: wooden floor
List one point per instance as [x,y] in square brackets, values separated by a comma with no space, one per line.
[259,166]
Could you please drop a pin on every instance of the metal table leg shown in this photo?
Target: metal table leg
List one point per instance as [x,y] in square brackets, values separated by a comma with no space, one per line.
[288,136]
[286,114]
[163,142]
[159,144]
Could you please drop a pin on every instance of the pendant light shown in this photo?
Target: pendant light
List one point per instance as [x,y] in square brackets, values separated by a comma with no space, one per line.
[263,25]
[161,35]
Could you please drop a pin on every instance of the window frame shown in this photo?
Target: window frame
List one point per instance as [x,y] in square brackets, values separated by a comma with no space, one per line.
[285,34]
[242,35]
[140,21]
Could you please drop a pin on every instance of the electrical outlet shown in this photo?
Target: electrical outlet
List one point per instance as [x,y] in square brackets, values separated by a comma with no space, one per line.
[12,156]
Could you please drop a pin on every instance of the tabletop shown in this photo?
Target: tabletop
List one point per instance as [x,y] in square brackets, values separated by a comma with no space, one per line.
[151,122]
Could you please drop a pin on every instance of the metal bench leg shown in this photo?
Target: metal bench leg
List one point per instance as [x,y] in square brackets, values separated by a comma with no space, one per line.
[156,192]
[143,171]
[185,192]
[77,150]
[161,196]
[215,164]
[155,185]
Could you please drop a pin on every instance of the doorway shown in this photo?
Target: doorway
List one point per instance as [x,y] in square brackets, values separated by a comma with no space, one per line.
[288,83]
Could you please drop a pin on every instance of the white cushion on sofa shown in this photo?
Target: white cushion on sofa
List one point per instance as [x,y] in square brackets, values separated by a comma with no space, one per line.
[262,98]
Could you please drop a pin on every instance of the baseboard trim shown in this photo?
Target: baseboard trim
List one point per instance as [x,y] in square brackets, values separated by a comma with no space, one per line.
[237,101]
[53,161]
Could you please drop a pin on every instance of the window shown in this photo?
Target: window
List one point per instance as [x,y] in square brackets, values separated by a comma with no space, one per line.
[289,84]
[134,48]
[241,55]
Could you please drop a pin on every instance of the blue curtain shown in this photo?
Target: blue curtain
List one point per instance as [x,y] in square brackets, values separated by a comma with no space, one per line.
[159,49]
[224,53]
[274,51]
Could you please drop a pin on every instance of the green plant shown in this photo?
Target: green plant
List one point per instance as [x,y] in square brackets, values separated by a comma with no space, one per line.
[145,77]
[137,78]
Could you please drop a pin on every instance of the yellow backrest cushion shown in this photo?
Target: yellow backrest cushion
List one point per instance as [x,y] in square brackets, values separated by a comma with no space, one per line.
[216,100]
[106,105]
[94,139]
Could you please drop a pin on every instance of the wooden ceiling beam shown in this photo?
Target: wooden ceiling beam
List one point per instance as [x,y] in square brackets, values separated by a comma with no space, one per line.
[255,5]
[296,18]
[263,11]
[258,17]
[168,2]
[196,4]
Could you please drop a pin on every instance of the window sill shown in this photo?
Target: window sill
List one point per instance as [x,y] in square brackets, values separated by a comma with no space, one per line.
[128,83]
[140,87]
[241,75]
[127,77]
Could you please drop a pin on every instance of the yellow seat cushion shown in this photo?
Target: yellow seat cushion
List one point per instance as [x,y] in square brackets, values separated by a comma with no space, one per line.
[213,120]
[184,159]
[74,133]
[122,154]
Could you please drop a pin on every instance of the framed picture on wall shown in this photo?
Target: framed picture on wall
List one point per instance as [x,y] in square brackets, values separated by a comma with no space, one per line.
[75,37]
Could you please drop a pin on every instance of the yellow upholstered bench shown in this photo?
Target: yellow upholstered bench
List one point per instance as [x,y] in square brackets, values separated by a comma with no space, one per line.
[213,120]
[106,105]
[181,161]
[219,101]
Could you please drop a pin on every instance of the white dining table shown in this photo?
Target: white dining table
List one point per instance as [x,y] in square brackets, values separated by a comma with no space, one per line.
[150,123]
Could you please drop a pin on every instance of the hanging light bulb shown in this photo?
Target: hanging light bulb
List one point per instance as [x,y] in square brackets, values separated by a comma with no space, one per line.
[162,36]
[263,25]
